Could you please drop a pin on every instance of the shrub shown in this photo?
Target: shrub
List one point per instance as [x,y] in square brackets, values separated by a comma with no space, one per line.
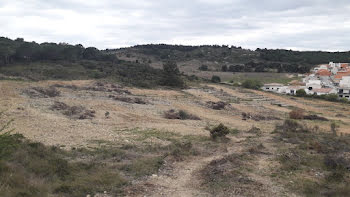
[219,131]
[301,93]
[334,128]
[252,84]
[292,126]
[203,68]
[171,75]
[224,68]
[39,92]
[181,115]
[216,105]
[296,114]
[215,79]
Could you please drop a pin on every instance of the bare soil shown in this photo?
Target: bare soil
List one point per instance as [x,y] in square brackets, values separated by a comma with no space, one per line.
[112,118]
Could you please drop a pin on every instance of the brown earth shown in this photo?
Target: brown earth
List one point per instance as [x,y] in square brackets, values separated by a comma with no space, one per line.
[34,118]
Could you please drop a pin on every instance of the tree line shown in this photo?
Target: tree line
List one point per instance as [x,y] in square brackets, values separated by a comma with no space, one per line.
[18,50]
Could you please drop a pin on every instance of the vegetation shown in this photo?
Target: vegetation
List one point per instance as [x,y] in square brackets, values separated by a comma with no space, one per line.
[301,93]
[18,50]
[252,84]
[181,115]
[203,68]
[215,79]
[296,114]
[63,61]
[33,169]
[236,59]
[327,97]
[318,162]
[219,131]
[171,75]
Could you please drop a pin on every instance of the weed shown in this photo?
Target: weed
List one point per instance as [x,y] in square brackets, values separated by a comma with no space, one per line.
[219,131]
[296,114]
[181,114]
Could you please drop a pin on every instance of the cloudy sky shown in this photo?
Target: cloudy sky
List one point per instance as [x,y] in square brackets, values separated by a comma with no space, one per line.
[290,24]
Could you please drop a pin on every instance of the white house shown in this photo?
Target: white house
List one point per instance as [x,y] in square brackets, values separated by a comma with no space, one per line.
[345,82]
[273,87]
[313,84]
[293,89]
[324,91]
[344,87]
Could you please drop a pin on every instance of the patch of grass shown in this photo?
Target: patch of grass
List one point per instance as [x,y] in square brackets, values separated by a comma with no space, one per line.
[143,134]
[144,166]
[264,77]
[181,115]
[32,169]
[219,131]
[318,161]
[229,175]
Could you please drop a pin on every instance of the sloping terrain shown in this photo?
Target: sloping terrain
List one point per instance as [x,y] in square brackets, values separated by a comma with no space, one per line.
[161,156]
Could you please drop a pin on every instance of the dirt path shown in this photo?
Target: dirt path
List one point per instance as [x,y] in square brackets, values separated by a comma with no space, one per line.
[183,179]
[183,182]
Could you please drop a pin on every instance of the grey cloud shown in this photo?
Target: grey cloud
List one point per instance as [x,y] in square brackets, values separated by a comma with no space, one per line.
[298,24]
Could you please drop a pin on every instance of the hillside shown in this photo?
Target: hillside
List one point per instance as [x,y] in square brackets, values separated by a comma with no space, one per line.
[87,137]
[235,59]
[78,121]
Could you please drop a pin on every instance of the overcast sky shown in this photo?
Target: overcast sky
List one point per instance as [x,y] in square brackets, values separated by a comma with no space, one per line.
[289,24]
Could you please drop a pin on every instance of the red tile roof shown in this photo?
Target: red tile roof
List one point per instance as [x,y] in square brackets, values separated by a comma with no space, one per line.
[323,90]
[324,72]
[341,74]
[344,65]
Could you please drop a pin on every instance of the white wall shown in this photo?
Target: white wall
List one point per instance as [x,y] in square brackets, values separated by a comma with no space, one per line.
[345,82]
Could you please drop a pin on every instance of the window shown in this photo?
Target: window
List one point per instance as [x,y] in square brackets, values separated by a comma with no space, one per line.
[310,88]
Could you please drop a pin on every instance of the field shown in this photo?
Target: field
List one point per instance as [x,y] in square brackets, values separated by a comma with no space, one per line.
[126,131]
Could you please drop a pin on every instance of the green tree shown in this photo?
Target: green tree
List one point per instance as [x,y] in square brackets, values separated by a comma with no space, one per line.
[215,79]
[301,93]
[252,84]
[203,68]
[91,53]
[224,68]
[171,75]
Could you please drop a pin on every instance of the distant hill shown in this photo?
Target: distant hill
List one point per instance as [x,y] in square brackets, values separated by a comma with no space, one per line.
[44,61]
[141,65]
[235,59]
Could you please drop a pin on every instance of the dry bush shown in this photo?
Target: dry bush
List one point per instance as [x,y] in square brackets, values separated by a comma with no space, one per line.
[128,99]
[292,126]
[181,115]
[59,106]
[257,117]
[216,105]
[255,130]
[39,92]
[219,131]
[296,114]
[76,112]
[315,117]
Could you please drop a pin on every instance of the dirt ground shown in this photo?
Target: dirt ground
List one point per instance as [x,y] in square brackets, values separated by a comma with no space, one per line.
[34,118]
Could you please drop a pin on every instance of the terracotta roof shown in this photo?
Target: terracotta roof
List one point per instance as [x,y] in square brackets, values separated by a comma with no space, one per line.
[344,65]
[297,83]
[322,90]
[341,74]
[324,72]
